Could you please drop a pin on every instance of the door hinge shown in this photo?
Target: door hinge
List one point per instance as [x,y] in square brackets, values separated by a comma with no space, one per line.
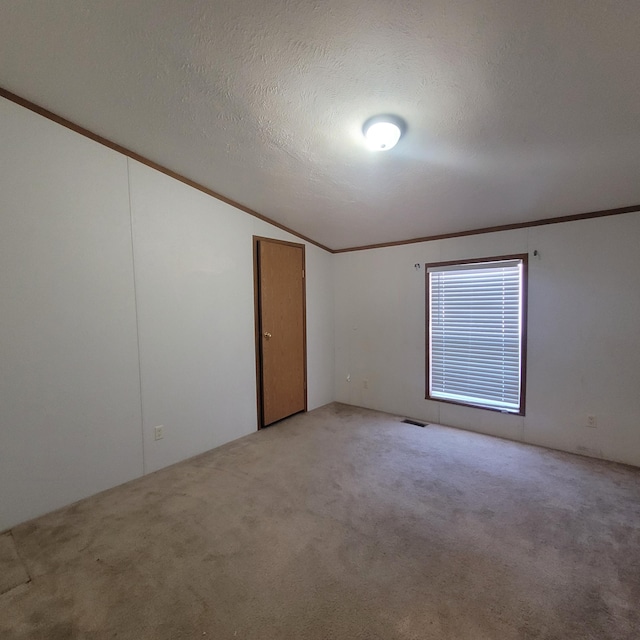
[303,273]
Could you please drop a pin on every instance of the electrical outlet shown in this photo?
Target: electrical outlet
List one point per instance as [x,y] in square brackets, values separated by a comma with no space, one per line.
[591,422]
[158,432]
[365,384]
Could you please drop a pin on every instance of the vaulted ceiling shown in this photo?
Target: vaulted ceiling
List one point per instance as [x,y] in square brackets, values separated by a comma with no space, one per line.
[517,110]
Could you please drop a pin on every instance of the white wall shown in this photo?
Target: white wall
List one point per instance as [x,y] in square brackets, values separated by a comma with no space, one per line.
[584,334]
[194,283]
[72,416]
[69,389]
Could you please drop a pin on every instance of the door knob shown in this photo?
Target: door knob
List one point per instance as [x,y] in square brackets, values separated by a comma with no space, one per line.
[267,335]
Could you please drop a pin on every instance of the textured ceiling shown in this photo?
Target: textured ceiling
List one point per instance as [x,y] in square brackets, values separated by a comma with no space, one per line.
[517,110]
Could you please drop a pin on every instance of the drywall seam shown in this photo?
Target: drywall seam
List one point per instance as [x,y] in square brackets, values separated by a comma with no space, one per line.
[135,301]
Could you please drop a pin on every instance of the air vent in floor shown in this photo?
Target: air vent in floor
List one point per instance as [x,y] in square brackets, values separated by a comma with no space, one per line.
[415,423]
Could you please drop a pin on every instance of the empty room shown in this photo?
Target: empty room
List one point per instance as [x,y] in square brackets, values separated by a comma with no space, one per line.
[319,320]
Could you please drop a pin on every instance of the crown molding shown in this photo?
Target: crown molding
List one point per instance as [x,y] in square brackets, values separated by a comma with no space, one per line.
[31,106]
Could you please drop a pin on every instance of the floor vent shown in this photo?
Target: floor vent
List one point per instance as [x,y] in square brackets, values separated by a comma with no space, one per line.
[415,423]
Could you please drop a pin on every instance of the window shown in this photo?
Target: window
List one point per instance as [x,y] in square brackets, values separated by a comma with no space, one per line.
[476,332]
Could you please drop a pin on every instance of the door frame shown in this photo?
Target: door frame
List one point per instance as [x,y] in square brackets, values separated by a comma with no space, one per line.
[257,317]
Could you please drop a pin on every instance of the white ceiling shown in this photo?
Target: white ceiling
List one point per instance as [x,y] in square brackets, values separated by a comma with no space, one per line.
[517,110]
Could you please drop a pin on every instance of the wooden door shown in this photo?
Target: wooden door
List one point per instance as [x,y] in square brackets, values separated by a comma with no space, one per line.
[280,329]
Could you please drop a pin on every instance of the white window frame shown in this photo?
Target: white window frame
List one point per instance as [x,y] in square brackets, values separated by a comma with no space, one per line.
[460,397]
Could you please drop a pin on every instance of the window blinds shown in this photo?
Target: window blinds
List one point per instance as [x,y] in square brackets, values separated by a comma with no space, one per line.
[475,333]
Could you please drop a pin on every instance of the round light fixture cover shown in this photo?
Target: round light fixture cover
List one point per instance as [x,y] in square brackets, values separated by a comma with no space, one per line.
[383,132]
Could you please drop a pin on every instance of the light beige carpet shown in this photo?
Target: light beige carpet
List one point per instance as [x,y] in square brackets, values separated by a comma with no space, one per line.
[343,523]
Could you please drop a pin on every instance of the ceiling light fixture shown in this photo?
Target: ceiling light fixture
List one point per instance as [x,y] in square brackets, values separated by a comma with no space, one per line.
[383,132]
